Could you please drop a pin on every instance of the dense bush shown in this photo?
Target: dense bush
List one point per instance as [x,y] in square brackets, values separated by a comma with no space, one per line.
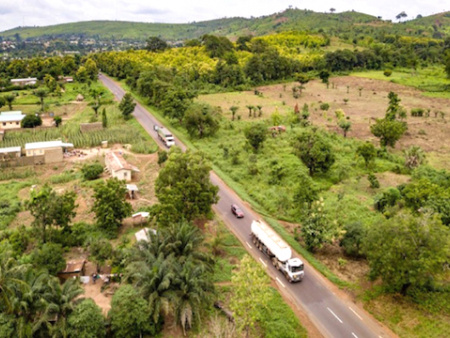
[92,171]
[31,121]
[387,199]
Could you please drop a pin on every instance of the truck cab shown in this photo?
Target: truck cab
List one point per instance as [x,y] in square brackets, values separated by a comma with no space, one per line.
[295,270]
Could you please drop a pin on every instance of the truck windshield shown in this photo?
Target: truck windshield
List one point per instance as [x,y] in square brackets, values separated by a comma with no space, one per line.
[297,268]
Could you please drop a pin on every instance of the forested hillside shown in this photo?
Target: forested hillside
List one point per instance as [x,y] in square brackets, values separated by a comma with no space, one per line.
[290,19]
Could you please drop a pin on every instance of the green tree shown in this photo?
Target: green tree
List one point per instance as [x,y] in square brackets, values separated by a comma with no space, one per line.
[393,107]
[316,228]
[324,75]
[414,255]
[352,240]
[100,251]
[92,171]
[256,134]
[10,279]
[10,99]
[447,65]
[251,294]
[50,257]
[31,121]
[49,208]
[127,105]
[50,83]
[176,101]
[91,69]
[86,321]
[183,187]
[388,131]
[162,157]
[302,79]
[314,151]
[129,314]
[305,193]
[155,44]
[82,75]
[57,120]
[345,125]
[233,110]
[368,152]
[110,206]
[104,119]
[201,120]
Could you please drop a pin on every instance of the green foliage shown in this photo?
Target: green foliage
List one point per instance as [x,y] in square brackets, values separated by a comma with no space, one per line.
[314,151]
[50,257]
[41,93]
[9,100]
[155,44]
[352,240]
[306,192]
[251,294]
[92,171]
[414,157]
[373,180]
[201,120]
[256,134]
[345,125]
[127,105]
[104,119]
[414,254]
[91,69]
[317,227]
[216,46]
[162,157]
[388,131]
[57,120]
[49,208]
[31,121]
[100,250]
[183,188]
[129,315]
[368,152]
[86,321]
[110,206]
[447,65]
[387,199]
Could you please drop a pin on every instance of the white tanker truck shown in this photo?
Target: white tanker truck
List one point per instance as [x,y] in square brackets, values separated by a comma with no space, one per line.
[270,243]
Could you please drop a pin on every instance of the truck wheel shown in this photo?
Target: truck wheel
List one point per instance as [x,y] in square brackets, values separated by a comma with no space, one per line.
[274,262]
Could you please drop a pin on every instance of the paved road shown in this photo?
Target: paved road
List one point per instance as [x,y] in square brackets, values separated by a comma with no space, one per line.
[332,315]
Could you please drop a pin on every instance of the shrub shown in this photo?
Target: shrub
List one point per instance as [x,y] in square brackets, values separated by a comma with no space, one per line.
[387,199]
[387,72]
[353,238]
[31,121]
[417,112]
[373,180]
[92,171]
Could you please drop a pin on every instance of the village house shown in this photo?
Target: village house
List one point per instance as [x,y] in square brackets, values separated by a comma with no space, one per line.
[52,150]
[74,269]
[24,82]
[9,153]
[11,119]
[118,167]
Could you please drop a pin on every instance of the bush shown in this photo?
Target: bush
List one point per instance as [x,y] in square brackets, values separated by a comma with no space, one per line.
[50,257]
[92,171]
[374,183]
[417,112]
[31,121]
[353,239]
[387,72]
[387,199]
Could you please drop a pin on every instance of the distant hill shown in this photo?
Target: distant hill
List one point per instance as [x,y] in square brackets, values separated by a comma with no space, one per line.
[290,19]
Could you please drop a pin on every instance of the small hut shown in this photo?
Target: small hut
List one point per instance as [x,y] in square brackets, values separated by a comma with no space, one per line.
[80,98]
[73,269]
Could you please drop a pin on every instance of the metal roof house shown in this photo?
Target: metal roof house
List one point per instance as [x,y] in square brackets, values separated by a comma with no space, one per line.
[52,150]
[118,167]
[11,119]
[10,152]
[24,82]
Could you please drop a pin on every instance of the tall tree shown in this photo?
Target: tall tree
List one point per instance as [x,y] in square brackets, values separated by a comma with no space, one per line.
[414,255]
[155,44]
[129,314]
[201,120]
[250,295]
[316,228]
[10,99]
[110,206]
[314,151]
[127,105]
[91,69]
[86,321]
[256,134]
[183,187]
[388,131]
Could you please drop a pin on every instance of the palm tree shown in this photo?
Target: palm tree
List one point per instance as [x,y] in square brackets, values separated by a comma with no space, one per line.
[414,157]
[154,282]
[10,281]
[233,110]
[41,93]
[9,99]
[194,289]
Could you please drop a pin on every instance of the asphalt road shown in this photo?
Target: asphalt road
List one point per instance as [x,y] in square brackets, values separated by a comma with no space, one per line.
[332,314]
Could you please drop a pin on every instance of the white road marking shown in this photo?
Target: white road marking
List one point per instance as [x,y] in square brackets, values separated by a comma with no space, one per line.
[357,315]
[248,245]
[335,315]
[280,282]
[265,265]
[354,335]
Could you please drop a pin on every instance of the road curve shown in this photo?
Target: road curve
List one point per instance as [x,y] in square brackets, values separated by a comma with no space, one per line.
[333,316]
